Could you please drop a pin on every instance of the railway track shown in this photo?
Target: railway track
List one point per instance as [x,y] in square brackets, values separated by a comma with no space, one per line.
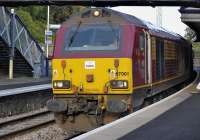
[25,122]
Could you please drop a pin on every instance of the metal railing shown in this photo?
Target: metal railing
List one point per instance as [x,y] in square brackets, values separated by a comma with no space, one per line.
[23,42]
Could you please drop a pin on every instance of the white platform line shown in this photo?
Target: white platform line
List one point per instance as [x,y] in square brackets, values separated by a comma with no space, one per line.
[15,91]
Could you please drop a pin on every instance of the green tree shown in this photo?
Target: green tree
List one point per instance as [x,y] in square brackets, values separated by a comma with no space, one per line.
[35,23]
[34,17]
[59,14]
[189,34]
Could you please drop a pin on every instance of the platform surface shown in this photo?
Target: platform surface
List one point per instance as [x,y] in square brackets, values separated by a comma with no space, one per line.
[179,123]
[176,117]
[19,82]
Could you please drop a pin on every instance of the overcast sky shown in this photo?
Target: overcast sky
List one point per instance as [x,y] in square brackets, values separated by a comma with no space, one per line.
[170,16]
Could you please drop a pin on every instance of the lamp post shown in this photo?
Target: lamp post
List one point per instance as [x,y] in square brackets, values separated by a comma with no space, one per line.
[12,48]
[47,44]
[159,16]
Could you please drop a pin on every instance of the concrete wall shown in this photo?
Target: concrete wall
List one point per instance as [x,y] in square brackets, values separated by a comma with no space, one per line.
[21,103]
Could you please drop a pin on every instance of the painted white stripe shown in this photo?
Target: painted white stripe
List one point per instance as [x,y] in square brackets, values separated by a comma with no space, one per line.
[119,121]
[14,91]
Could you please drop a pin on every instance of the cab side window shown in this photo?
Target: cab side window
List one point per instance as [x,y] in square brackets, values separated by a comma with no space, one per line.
[142,54]
[141,41]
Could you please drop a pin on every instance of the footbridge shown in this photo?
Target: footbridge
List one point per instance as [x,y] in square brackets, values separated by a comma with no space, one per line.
[29,58]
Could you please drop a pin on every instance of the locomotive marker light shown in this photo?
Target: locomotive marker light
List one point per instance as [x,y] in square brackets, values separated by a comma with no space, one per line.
[116,63]
[63,64]
[55,84]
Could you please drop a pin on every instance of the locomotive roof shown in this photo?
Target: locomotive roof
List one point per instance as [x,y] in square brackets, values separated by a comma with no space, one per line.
[153,29]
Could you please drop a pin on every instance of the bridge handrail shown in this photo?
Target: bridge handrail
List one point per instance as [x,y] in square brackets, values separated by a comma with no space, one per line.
[30,35]
[24,42]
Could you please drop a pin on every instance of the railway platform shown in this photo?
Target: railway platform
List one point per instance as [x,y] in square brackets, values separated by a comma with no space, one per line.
[19,82]
[176,117]
[23,94]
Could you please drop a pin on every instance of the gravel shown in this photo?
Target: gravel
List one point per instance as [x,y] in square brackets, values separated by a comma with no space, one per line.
[52,132]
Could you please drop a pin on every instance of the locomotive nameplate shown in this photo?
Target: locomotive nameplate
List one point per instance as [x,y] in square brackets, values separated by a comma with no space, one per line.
[89,64]
[122,74]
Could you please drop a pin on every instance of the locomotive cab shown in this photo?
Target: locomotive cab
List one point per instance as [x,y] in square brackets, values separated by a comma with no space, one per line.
[93,57]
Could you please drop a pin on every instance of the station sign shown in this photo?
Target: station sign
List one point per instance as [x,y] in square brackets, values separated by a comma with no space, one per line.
[54,26]
[48,37]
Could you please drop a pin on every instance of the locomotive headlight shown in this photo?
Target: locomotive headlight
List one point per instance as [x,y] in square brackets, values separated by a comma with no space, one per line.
[96,13]
[62,84]
[119,84]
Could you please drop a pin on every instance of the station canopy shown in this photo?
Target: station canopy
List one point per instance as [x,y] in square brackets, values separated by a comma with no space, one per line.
[193,3]
[191,17]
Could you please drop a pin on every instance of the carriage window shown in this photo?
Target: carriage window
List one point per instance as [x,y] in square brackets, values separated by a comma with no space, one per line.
[141,41]
[92,37]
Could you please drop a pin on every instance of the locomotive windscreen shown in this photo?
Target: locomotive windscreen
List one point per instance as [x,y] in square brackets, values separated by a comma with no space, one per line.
[92,37]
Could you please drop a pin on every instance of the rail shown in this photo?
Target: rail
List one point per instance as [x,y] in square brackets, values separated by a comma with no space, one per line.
[25,122]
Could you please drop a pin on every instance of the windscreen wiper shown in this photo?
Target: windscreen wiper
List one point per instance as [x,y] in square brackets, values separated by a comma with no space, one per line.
[74,35]
[115,34]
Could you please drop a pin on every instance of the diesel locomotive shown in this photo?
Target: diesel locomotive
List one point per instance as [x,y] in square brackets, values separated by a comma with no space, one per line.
[106,63]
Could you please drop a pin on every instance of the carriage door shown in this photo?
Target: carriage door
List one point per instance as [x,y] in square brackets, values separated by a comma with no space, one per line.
[159,59]
[144,55]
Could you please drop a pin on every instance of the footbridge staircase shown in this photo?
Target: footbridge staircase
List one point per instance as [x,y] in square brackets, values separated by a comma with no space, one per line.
[29,58]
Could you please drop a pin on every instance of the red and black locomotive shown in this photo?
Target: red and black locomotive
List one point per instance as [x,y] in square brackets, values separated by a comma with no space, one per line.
[106,63]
